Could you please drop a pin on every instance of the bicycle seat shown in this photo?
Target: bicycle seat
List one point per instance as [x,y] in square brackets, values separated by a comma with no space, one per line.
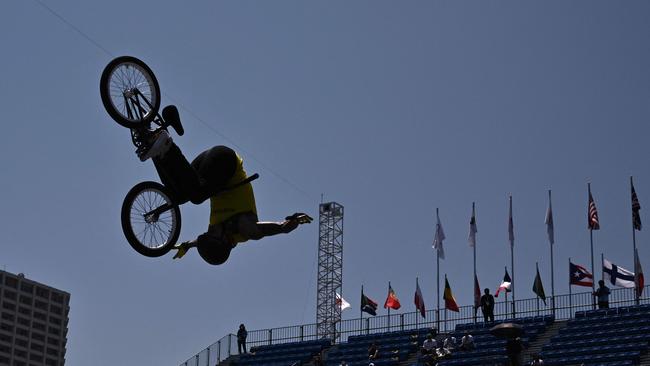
[172,118]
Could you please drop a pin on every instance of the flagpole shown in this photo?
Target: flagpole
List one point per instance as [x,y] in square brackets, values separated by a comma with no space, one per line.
[602,267]
[361,314]
[570,296]
[417,285]
[512,260]
[537,268]
[438,276]
[636,292]
[474,247]
[591,241]
[389,307]
[552,270]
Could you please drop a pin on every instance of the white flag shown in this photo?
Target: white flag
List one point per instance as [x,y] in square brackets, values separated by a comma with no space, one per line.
[617,276]
[472,230]
[549,223]
[438,238]
[340,302]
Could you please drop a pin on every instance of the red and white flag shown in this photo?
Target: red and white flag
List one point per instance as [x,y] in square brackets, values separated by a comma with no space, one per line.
[505,285]
[341,303]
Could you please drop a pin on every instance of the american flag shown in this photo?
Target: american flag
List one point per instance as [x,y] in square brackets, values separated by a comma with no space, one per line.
[636,206]
[593,223]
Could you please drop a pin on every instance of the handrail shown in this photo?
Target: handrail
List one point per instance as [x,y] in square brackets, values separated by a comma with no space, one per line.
[565,307]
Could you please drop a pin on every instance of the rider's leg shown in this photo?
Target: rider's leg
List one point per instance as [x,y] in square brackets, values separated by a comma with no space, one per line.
[216,167]
[176,173]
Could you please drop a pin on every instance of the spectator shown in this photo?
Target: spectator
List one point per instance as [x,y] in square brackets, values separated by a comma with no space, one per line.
[343,363]
[449,344]
[241,338]
[373,352]
[428,346]
[513,350]
[603,295]
[537,360]
[467,342]
[318,360]
[487,306]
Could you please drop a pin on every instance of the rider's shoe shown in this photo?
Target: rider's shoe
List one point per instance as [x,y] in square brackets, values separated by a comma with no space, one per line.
[156,145]
[182,250]
[302,218]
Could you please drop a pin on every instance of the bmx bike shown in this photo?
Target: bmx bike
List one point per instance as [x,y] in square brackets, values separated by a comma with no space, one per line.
[150,214]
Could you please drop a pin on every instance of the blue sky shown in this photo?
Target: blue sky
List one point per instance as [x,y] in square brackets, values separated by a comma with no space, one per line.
[389,108]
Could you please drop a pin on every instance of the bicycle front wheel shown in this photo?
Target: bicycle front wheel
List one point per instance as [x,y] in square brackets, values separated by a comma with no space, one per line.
[150,220]
[130,92]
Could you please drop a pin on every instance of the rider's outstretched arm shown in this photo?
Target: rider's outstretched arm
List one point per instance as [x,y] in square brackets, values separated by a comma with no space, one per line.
[250,227]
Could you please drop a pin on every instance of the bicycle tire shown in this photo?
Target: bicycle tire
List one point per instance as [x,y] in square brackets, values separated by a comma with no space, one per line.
[121,78]
[150,237]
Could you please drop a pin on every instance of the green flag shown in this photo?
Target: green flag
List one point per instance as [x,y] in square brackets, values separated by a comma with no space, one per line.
[538,288]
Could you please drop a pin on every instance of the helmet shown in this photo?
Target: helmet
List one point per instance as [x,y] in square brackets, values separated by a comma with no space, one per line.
[212,249]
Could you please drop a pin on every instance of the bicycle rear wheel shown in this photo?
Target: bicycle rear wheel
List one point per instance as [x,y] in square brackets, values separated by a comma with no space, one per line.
[150,220]
[130,92]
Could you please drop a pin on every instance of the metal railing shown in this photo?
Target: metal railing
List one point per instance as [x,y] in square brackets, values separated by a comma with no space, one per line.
[444,320]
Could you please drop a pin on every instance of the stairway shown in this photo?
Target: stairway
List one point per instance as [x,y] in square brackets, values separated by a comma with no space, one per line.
[542,339]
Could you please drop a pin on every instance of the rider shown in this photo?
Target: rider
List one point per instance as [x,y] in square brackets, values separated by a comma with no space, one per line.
[233,214]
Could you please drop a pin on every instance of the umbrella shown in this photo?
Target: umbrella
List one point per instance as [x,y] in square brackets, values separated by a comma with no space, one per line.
[507,330]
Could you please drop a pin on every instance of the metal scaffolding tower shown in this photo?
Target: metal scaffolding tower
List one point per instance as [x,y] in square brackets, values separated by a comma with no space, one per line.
[330,269]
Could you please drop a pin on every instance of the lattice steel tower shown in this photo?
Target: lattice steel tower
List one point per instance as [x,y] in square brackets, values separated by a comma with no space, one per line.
[330,269]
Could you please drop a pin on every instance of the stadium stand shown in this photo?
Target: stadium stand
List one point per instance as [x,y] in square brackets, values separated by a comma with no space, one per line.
[283,354]
[607,337]
[394,347]
[490,350]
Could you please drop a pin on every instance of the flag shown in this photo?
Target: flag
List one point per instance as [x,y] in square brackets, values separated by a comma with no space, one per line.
[592,213]
[341,303]
[419,300]
[579,276]
[438,238]
[538,288]
[450,302]
[617,276]
[505,285]
[636,206]
[477,295]
[392,302]
[367,305]
[549,222]
[638,274]
[511,226]
[472,230]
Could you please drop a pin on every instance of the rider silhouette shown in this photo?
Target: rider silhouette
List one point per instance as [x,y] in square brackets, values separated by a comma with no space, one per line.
[233,214]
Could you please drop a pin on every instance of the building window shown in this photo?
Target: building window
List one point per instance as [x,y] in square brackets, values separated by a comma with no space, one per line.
[38,337]
[26,287]
[40,316]
[10,295]
[39,326]
[42,292]
[37,347]
[25,300]
[23,321]
[8,317]
[55,309]
[36,358]
[8,306]
[24,311]
[57,298]
[54,330]
[7,327]
[41,305]
[22,332]
[52,352]
[6,338]
[20,353]
[11,282]
[51,362]
[53,341]
[54,320]
[21,343]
